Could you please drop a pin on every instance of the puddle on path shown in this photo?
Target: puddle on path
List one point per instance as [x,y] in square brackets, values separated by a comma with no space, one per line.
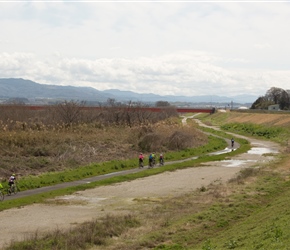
[83,198]
[226,150]
[236,163]
[252,151]
[261,151]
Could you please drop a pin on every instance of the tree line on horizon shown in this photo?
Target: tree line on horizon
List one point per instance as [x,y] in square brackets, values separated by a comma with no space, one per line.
[273,96]
[70,113]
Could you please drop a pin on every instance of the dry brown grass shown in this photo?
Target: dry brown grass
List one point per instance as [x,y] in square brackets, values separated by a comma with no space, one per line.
[278,119]
[47,148]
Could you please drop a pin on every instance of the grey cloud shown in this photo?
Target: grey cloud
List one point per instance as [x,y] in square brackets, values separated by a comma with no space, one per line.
[186,77]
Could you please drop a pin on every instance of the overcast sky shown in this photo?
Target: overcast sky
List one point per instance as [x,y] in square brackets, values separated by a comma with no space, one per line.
[164,47]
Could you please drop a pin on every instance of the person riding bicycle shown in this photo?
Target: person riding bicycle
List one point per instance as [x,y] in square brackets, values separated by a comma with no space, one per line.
[161,159]
[11,180]
[141,159]
[233,142]
[151,160]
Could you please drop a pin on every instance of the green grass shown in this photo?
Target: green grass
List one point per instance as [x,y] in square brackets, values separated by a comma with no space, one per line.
[265,131]
[262,219]
[39,198]
[214,119]
[277,134]
[95,169]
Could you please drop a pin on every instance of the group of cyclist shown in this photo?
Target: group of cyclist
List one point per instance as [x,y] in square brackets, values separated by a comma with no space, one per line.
[151,160]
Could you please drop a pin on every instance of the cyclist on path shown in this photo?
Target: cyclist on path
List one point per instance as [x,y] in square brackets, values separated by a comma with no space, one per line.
[161,159]
[150,160]
[141,160]
[11,180]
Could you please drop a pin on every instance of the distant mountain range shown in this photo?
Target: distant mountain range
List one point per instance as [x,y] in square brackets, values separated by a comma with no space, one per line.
[34,92]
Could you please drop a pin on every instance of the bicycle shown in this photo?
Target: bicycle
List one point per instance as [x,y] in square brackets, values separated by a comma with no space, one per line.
[141,164]
[151,164]
[12,190]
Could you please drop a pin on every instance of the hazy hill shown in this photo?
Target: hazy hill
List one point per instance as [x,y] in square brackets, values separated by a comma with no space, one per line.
[129,95]
[20,88]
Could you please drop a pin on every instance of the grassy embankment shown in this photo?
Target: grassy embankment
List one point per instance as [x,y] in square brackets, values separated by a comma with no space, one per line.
[67,238]
[55,177]
[250,212]
[257,214]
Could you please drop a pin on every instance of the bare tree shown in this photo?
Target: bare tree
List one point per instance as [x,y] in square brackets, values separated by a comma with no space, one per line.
[70,111]
[162,104]
[278,96]
[273,96]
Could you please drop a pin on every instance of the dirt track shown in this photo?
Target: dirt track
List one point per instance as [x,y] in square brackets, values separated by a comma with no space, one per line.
[67,211]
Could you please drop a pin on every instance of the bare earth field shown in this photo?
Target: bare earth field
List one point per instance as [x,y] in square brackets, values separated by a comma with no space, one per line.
[68,211]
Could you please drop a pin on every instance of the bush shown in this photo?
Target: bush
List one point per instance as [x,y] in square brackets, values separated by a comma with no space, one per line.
[180,140]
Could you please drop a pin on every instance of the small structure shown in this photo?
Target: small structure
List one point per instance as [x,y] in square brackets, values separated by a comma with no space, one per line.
[274,107]
[242,108]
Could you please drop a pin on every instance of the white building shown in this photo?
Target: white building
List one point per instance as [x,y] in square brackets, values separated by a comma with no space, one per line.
[274,107]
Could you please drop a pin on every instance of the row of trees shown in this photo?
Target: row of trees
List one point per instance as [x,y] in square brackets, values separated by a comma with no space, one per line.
[273,96]
[72,112]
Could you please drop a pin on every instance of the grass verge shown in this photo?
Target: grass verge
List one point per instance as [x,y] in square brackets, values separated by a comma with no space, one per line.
[97,169]
[147,172]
